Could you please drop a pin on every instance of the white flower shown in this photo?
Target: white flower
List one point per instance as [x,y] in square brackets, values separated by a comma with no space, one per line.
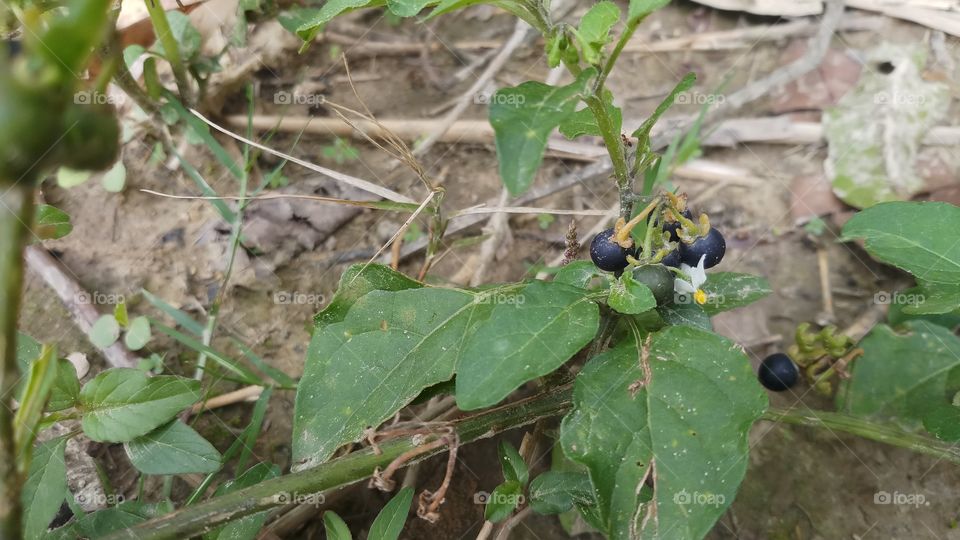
[697,277]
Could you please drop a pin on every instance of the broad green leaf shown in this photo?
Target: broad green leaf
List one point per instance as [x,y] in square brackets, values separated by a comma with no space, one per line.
[66,387]
[138,334]
[118,518]
[248,527]
[68,178]
[874,132]
[408,8]
[918,237]
[173,449]
[121,404]
[643,132]
[131,53]
[331,9]
[594,29]
[335,527]
[583,122]
[361,371]
[390,521]
[577,273]
[356,281]
[685,315]
[642,8]
[116,178]
[295,18]
[517,7]
[930,299]
[104,332]
[543,327]
[514,468]
[556,492]
[51,223]
[907,377]
[45,488]
[503,500]
[682,421]
[629,296]
[523,118]
[729,290]
[897,315]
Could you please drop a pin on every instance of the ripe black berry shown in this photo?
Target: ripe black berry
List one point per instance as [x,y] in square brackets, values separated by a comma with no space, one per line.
[712,245]
[672,259]
[607,254]
[673,226]
[778,372]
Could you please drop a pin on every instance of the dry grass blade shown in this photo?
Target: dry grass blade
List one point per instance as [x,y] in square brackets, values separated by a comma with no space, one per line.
[376,205]
[345,178]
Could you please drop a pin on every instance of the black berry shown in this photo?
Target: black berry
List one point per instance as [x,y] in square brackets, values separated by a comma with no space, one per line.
[778,372]
[673,226]
[607,254]
[712,245]
[672,259]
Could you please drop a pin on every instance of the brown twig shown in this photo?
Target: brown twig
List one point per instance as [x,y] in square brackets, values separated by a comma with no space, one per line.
[428,504]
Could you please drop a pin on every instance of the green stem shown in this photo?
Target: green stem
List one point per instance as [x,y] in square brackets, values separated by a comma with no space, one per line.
[193,520]
[171,49]
[854,425]
[615,53]
[16,213]
[614,144]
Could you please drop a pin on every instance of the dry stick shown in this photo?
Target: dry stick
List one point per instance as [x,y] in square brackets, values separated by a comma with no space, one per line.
[498,229]
[508,525]
[823,265]
[520,32]
[76,300]
[248,393]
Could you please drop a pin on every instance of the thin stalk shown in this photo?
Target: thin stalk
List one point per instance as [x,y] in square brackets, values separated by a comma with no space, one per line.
[615,53]
[194,520]
[16,213]
[171,49]
[614,144]
[854,425]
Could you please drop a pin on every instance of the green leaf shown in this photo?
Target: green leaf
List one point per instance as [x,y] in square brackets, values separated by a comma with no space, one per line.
[361,371]
[408,8]
[523,118]
[643,132]
[516,7]
[295,18]
[116,178]
[118,518]
[594,30]
[642,8]
[66,387]
[173,449]
[514,468]
[335,527]
[931,299]
[503,501]
[915,236]
[242,372]
[248,527]
[36,393]
[577,273]
[177,315]
[685,315]
[131,53]
[45,488]
[331,9]
[138,334]
[68,178]
[104,332]
[390,521]
[729,290]
[188,38]
[682,421]
[629,296]
[51,223]
[556,492]
[583,122]
[121,315]
[524,338]
[356,281]
[907,377]
[121,404]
